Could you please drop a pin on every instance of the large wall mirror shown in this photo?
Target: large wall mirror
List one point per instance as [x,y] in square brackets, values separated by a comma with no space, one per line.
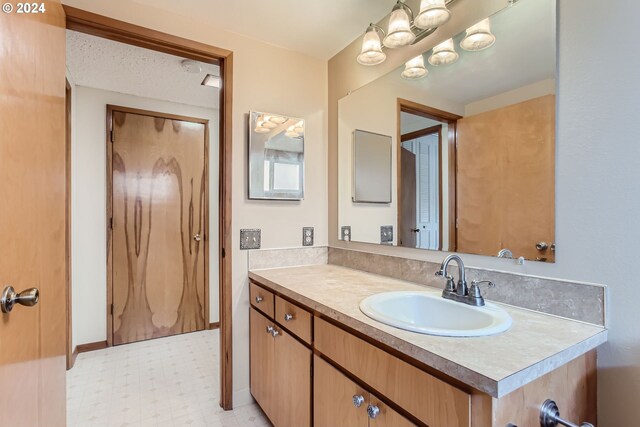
[473,143]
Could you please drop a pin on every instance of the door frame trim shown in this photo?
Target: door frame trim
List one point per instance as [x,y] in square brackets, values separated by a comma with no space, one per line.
[124,32]
[406,106]
[109,168]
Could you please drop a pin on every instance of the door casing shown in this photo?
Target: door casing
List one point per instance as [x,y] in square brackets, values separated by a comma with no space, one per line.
[124,32]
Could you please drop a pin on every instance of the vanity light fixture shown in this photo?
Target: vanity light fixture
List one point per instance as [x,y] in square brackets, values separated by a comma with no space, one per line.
[276,119]
[444,54]
[399,33]
[295,131]
[433,13]
[211,80]
[414,69]
[371,53]
[479,36]
[403,29]
[261,129]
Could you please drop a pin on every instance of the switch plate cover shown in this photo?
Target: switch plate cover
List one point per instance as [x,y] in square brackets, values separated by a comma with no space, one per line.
[250,238]
[386,234]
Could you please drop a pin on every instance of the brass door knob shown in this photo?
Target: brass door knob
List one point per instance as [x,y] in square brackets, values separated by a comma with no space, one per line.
[28,297]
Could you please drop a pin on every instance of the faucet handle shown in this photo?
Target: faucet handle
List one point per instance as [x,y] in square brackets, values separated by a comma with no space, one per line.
[451,284]
[475,291]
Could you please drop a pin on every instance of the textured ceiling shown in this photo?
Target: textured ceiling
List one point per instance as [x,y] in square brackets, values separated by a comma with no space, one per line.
[104,64]
[320,28]
[524,53]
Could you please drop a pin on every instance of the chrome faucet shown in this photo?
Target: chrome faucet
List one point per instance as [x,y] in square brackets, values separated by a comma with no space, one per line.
[461,292]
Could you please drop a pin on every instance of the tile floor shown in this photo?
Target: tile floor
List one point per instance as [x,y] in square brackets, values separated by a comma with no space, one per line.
[166,382]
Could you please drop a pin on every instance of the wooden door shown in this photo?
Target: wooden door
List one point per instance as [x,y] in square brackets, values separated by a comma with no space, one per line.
[506,180]
[408,199]
[292,405]
[387,417]
[32,216]
[333,398]
[159,197]
[262,361]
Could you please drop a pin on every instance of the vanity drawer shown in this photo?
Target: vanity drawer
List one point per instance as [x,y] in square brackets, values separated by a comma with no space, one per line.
[429,399]
[261,299]
[294,318]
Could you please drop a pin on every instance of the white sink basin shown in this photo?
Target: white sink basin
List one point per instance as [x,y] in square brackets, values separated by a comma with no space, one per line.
[428,313]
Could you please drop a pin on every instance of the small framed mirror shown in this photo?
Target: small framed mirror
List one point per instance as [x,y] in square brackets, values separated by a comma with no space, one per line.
[276,157]
[371,167]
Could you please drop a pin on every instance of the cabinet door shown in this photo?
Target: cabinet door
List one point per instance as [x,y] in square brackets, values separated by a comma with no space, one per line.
[334,398]
[292,384]
[262,355]
[384,416]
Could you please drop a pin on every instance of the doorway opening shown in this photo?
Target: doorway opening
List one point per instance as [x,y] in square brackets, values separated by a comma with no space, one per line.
[426,162]
[175,124]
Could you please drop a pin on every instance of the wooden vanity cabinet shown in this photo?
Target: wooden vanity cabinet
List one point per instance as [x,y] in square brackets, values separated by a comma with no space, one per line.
[280,368]
[286,375]
[336,402]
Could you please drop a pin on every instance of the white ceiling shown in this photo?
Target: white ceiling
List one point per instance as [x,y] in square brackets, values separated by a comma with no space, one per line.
[524,53]
[104,64]
[320,28]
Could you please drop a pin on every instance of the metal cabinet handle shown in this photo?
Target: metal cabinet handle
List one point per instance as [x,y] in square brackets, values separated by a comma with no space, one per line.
[269,329]
[274,333]
[373,411]
[259,300]
[288,317]
[358,400]
[550,416]
[28,297]
[197,237]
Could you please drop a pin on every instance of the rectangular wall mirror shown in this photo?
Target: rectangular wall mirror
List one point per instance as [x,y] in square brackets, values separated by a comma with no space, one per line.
[371,167]
[276,157]
[473,143]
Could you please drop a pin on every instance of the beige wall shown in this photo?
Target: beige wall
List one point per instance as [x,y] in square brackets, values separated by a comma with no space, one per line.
[597,176]
[266,78]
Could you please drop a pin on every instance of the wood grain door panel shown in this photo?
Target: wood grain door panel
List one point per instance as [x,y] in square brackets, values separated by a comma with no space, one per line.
[333,396]
[506,179]
[408,222]
[159,205]
[32,216]
[262,362]
[292,398]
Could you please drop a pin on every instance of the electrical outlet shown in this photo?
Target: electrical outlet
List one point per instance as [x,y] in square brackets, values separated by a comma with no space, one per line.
[345,233]
[307,236]
[250,238]
[386,234]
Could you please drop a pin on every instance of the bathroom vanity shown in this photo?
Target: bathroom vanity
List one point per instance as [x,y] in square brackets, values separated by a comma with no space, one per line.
[317,360]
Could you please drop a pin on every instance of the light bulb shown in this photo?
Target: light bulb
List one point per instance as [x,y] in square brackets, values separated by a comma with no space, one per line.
[479,36]
[433,13]
[414,69]
[444,54]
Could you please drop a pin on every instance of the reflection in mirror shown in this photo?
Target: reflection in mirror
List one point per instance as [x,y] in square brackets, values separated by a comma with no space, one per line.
[371,167]
[473,135]
[276,157]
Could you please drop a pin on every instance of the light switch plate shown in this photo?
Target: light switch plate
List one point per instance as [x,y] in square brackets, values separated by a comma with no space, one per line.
[386,234]
[250,238]
[307,236]
[345,233]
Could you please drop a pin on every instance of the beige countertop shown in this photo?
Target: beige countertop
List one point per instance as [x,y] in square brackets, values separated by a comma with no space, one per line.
[536,343]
